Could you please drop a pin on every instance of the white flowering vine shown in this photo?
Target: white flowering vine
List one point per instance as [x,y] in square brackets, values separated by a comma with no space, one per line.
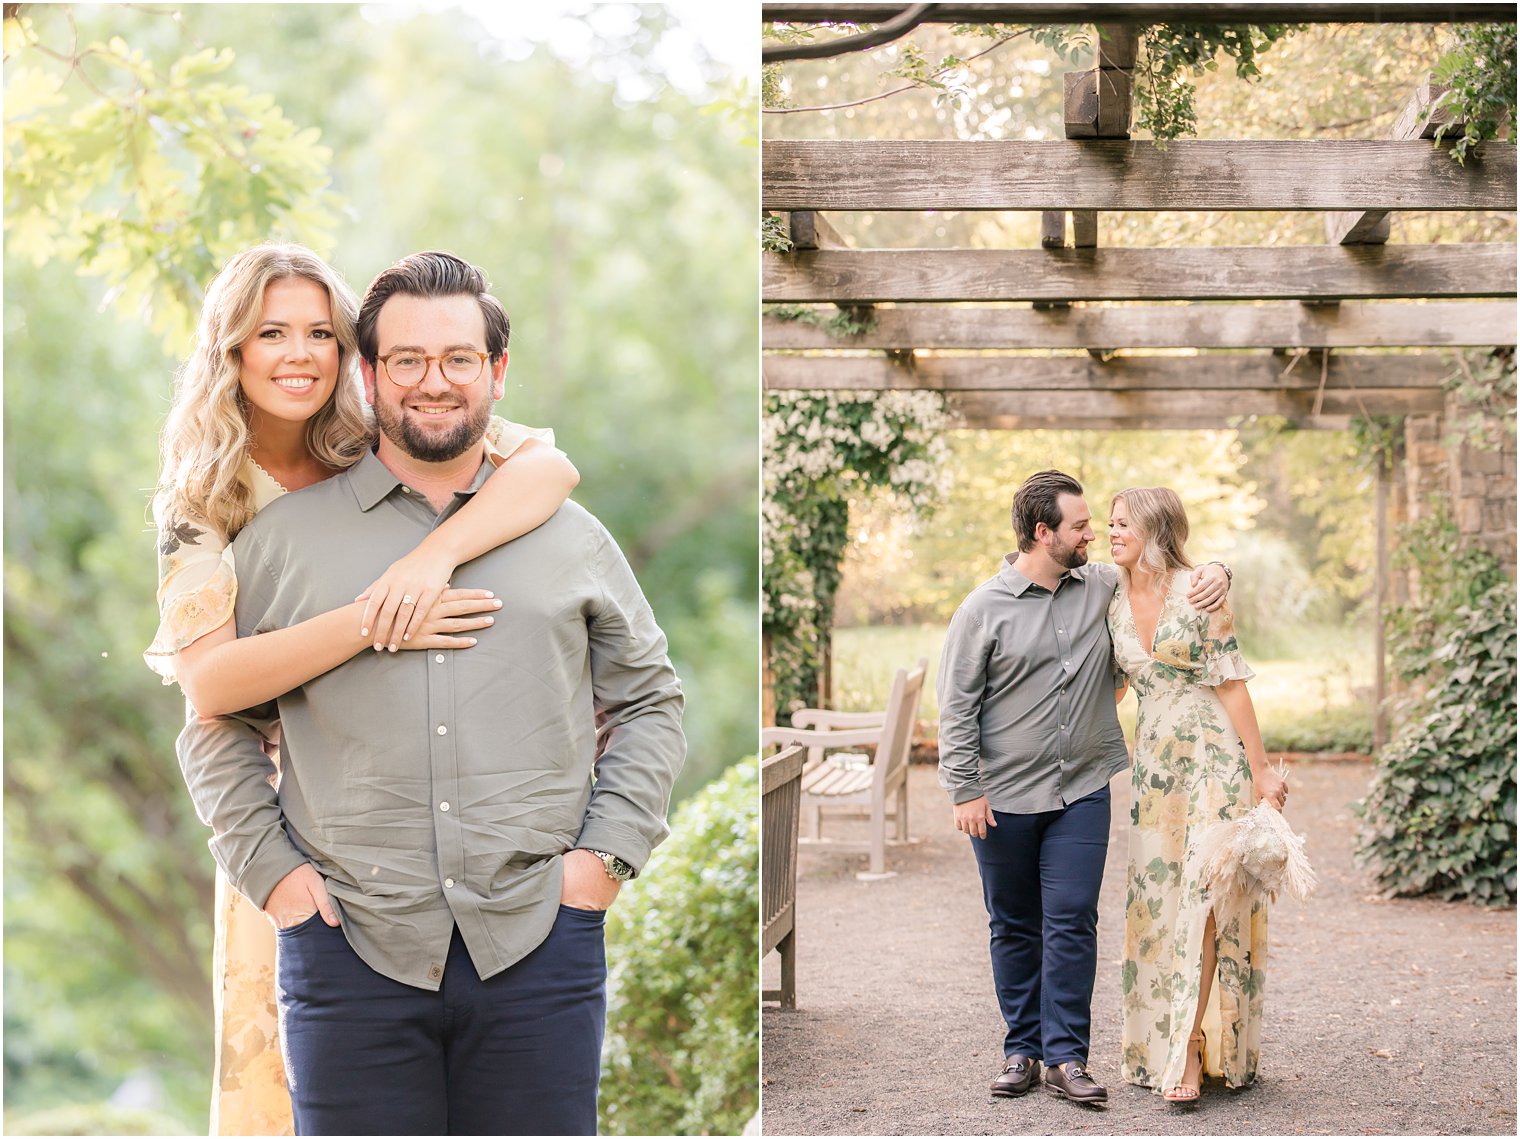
[817,449]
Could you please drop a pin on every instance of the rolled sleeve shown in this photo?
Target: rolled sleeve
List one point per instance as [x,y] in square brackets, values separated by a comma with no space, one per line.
[230,781]
[961,685]
[638,703]
[230,778]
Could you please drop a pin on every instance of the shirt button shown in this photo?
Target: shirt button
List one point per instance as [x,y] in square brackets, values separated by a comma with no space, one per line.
[1066,664]
[438,659]
[406,490]
[443,806]
[449,883]
[443,730]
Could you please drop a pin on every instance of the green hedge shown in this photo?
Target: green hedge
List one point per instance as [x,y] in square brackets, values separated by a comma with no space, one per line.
[683,1037]
[1440,817]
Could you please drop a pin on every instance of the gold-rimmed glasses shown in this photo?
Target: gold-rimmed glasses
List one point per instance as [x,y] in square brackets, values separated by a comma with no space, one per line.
[460,366]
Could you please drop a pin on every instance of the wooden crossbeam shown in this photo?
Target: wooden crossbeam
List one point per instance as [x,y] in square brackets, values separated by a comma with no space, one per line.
[1421,118]
[1102,174]
[1224,375]
[1217,273]
[810,230]
[1215,420]
[1087,13]
[1066,408]
[1275,324]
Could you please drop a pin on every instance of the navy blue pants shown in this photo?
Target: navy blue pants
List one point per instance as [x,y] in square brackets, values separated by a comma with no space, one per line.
[1040,879]
[519,1054]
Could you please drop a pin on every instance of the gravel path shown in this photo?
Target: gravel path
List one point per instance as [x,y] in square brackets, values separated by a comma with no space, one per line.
[1382,1017]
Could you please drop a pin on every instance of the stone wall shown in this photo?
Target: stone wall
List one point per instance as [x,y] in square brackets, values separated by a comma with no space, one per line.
[1477,484]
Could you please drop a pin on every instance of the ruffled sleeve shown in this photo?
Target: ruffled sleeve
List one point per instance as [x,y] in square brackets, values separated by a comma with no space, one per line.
[503,438]
[1221,655]
[197,587]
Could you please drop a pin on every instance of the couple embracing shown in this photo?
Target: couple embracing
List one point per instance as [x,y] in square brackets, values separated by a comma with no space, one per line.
[1034,663]
[429,796]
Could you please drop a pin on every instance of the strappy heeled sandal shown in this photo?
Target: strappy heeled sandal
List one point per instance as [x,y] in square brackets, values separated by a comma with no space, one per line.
[1185,1093]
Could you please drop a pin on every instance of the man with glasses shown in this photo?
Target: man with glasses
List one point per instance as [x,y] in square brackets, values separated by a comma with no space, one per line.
[437,816]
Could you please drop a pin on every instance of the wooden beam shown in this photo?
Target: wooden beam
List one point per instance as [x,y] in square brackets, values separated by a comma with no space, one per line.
[1053,229]
[811,230]
[1066,408]
[1088,13]
[1099,104]
[1100,101]
[1084,229]
[1275,324]
[1103,174]
[1225,376]
[1216,420]
[1207,273]
[1421,118]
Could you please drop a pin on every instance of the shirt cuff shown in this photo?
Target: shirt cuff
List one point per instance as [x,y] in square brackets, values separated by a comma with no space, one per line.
[610,838]
[966,792]
[265,872]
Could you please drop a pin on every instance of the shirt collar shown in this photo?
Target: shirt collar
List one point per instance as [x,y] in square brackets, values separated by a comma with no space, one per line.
[372,481]
[1018,584]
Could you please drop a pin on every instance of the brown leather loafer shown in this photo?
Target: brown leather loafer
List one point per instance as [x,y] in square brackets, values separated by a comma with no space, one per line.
[1018,1076]
[1072,1081]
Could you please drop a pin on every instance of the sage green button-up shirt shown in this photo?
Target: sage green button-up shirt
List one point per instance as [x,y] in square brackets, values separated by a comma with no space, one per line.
[1026,692]
[435,789]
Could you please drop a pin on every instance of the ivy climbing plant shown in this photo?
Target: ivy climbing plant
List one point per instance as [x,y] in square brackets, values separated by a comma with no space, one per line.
[1439,817]
[818,449]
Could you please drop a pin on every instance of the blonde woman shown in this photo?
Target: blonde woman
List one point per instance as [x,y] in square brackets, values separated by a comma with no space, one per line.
[269,402]
[1189,964]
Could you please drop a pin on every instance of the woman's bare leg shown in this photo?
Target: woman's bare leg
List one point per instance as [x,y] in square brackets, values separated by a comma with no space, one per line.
[1192,1074]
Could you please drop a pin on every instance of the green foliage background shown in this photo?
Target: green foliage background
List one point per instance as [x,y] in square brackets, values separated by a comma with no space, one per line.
[614,212]
[684,1044]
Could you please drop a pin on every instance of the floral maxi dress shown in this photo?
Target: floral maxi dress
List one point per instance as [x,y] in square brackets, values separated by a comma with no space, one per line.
[1189,771]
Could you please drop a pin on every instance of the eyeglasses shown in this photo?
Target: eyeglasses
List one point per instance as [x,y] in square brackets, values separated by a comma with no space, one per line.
[460,366]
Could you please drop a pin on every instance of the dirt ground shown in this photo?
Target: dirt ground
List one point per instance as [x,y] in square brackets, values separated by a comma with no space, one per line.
[1382,1017]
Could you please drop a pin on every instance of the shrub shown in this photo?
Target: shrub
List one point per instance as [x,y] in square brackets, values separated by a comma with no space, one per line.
[1440,815]
[683,1038]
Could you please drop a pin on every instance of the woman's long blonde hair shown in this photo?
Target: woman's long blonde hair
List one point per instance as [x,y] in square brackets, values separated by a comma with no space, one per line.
[1157,514]
[206,437]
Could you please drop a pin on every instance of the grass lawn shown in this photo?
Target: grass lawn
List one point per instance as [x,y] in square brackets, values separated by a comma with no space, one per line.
[1321,701]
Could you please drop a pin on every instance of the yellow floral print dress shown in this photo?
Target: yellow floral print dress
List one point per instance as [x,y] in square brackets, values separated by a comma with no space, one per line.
[1189,771]
[197,591]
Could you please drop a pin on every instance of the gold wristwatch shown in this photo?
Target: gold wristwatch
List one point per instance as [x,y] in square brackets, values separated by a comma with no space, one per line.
[617,869]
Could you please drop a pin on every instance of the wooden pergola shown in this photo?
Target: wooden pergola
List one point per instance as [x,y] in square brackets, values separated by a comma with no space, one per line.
[1303,332]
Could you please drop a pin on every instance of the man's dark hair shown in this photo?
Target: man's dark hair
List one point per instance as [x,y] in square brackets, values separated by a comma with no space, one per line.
[431,275]
[1035,502]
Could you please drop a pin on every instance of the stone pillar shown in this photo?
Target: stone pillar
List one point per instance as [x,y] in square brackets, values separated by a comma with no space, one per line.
[1477,483]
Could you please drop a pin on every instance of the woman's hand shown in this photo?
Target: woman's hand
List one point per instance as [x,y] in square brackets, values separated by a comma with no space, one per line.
[400,598]
[456,611]
[1271,787]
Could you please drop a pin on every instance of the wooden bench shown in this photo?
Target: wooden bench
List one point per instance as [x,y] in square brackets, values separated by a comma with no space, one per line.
[854,784]
[780,802]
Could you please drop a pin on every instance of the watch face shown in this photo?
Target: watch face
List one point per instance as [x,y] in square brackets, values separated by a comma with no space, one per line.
[618,868]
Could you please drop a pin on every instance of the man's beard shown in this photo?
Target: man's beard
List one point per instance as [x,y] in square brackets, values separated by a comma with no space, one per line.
[1068,557]
[431,446]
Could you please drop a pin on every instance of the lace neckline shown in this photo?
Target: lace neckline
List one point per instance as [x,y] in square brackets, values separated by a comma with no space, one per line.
[256,465]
